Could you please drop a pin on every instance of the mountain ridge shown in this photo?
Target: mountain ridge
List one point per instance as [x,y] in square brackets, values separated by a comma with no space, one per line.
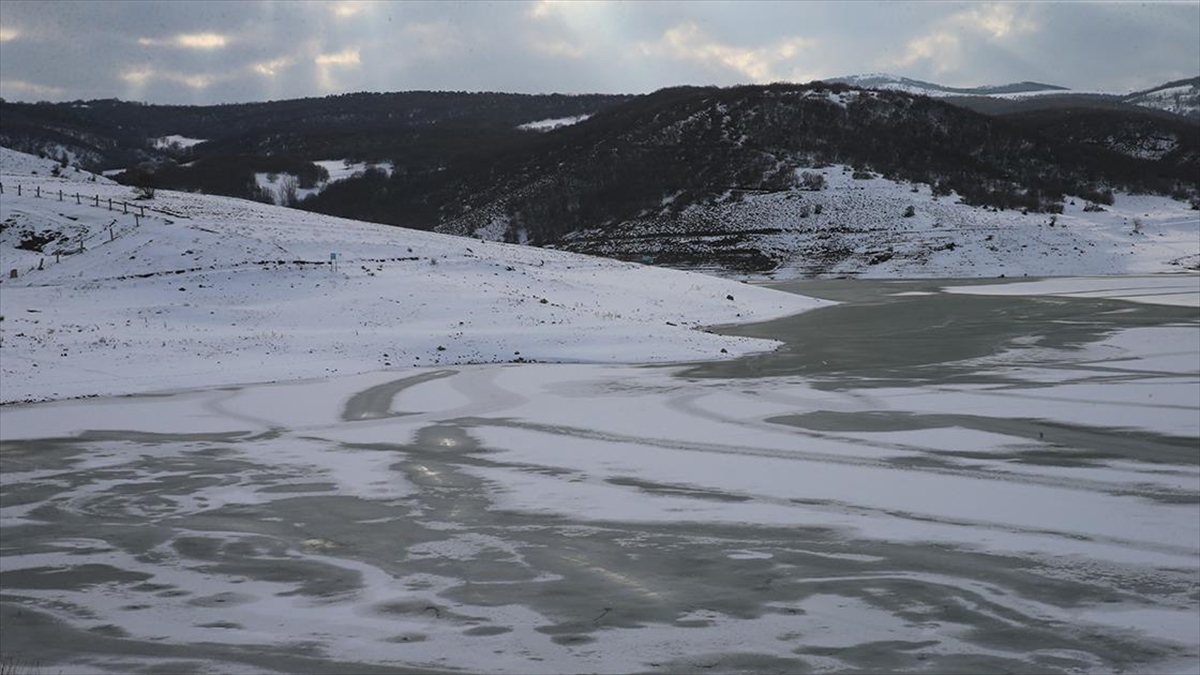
[914,86]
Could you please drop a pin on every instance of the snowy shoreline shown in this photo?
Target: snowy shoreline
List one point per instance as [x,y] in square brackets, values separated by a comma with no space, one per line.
[206,291]
[229,291]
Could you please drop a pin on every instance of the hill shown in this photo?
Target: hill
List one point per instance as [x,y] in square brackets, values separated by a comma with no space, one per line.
[921,87]
[227,291]
[1181,97]
[219,149]
[754,172]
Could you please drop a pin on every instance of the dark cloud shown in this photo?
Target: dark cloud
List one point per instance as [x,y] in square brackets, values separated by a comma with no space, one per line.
[208,52]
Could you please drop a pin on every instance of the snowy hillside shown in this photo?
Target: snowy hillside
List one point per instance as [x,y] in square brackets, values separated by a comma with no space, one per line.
[858,227]
[231,291]
[1181,97]
[551,124]
[922,88]
[17,167]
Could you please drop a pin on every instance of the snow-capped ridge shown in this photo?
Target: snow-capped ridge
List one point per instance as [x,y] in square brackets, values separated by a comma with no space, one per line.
[912,86]
[1181,97]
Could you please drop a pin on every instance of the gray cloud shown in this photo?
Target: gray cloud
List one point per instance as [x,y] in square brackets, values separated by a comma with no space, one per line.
[215,52]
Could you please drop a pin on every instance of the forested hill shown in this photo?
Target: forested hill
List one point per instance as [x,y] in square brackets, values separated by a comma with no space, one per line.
[109,134]
[693,146]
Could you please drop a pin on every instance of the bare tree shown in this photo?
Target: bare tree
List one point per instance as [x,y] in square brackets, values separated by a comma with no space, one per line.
[288,191]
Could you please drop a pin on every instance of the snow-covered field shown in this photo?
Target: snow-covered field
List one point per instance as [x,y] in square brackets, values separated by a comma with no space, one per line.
[338,169]
[927,477]
[1032,509]
[177,141]
[209,290]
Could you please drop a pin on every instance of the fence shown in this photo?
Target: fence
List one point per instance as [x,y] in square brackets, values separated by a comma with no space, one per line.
[96,201]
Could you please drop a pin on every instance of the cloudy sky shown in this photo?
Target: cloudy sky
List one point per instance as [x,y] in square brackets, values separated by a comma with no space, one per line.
[229,51]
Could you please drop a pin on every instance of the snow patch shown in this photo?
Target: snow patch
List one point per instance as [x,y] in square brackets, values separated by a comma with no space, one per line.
[176,141]
[554,123]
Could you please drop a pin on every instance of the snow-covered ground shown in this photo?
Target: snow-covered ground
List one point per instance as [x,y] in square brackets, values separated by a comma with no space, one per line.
[208,290]
[336,168]
[175,140]
[18,167]
[1180,289]
[1037,514]
[857,227]
[554,123]
[1027,505]
[341,169]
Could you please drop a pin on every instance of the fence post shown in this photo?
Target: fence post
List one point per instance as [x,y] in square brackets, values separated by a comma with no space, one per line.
[37,190]
[60,195]
[110,203]
[1,188]
[111,237]
[97,200]
[136,220]
[76,197]
[124,207]
[143,208]
[18,189]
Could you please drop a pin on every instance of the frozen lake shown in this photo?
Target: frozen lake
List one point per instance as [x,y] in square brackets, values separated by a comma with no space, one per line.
[917,481]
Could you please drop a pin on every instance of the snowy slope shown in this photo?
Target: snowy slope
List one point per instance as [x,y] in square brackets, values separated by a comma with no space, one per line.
[857,227]
[230,291]
[922,88]
[176,141]
[1181,97]
[18,165]
[551,124]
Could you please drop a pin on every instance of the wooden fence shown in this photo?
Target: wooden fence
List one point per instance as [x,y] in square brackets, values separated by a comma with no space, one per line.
[138,210]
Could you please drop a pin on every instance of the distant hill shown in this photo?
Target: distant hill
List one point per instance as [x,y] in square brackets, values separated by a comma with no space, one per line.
[1181,97]
[417,131]
[680,165]
[911,86]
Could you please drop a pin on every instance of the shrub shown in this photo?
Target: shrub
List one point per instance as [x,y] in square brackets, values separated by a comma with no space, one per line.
[910,212]
[812,181]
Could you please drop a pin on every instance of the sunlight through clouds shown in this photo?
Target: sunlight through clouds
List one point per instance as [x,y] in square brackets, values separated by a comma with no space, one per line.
[541,9]
[138,75]
[942,49]
[558,47]
[998,20]
[203,51]
[203,41]
[29,88]
[687,42]
[138,78]
[328,63]
[346,57]
[273,67]
[348,8]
